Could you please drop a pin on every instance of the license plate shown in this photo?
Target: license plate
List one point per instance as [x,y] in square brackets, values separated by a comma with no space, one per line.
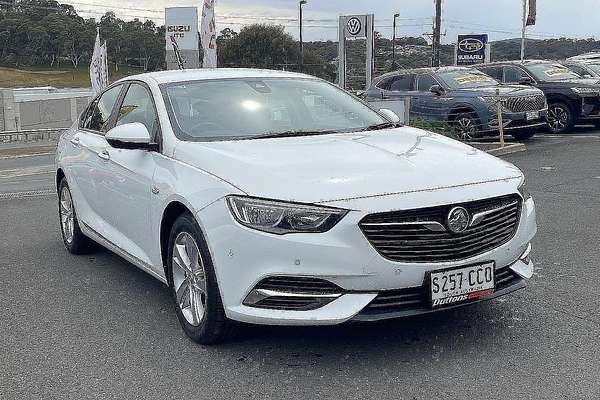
[530,115]
[452,286]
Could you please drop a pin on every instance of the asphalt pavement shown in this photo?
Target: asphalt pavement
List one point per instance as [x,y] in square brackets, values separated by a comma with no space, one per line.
[97,327]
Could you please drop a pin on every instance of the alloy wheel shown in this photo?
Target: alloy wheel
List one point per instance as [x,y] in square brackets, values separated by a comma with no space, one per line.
[466,127]
[189,278]
[67,214]
[558,118]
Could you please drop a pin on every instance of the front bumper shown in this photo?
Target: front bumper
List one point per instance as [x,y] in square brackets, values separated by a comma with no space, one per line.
[243,257]
[516,121]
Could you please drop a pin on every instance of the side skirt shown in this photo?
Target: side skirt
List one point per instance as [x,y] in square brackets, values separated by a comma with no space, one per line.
[95,236]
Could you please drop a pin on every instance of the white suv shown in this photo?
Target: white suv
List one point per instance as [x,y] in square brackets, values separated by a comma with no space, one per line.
[277,198]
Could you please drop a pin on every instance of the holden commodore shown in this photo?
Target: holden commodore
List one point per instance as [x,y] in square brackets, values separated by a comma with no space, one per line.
[277,198]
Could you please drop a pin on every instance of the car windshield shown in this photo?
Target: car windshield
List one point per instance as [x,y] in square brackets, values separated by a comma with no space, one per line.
[551,72]
[594,67]
[249,108]
[466,79]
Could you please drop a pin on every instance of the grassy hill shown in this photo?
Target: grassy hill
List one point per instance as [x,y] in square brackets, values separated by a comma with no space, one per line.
[57,77]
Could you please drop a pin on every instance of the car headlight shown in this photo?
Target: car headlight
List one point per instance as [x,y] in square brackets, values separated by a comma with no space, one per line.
[524,190]
[584,91]
[282,217]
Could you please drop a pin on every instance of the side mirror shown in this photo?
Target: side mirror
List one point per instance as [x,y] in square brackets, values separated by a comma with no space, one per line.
[131,136]
[390,115]
[525,80]
[437,90]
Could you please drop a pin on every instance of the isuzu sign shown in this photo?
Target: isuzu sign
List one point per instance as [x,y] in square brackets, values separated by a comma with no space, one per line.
[182,23]
[471,49]
[181,30]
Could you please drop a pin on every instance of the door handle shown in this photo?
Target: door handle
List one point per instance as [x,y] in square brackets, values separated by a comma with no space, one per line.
[104,154]
[75,141]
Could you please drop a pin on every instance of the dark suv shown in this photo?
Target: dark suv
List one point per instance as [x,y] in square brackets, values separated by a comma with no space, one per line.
[572,99]
[466,99]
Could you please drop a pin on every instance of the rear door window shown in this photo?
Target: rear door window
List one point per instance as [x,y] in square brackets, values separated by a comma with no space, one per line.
[403,83]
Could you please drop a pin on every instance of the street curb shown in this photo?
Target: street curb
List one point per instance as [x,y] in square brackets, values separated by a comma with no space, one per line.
[501,151]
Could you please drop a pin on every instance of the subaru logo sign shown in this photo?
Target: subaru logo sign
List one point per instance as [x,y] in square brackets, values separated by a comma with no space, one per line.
[471,49]
[470,45]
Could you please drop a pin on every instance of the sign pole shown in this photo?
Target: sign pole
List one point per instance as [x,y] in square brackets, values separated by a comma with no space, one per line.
[524,30]
[370,49]
[342,53]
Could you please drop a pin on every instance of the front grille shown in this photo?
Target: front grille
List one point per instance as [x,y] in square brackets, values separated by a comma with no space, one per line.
[417,298]
[525,103]
[407,236]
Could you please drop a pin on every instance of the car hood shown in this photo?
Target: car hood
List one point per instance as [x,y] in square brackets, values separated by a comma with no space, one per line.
[327,168]
[505,90]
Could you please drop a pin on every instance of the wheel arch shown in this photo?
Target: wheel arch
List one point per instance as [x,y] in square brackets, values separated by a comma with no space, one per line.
[560,98]
[173,210]
[59,177]
[460,109]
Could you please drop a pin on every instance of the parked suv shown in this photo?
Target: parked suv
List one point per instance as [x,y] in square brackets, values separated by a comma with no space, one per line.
[586,69]
[572,98]
[465,98]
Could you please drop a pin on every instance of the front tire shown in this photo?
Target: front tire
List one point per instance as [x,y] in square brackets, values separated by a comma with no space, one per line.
[193,284]
[74,240]
[560,118]
[467,125]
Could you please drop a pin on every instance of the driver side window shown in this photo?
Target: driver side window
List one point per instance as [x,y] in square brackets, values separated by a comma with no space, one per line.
[513,74]
[137,106]
[425,83]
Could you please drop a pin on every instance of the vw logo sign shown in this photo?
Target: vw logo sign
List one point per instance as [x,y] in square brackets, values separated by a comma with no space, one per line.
[458,220]
[354,26]
[470,45]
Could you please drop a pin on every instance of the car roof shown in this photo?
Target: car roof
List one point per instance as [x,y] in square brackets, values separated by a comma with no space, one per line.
[427,70]
[184,75]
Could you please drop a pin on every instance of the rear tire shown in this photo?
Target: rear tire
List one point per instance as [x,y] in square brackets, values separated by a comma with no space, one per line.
[74,240]
[560,118]
[193,284]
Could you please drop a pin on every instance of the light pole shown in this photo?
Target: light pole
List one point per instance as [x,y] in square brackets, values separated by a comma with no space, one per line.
[301,3]
[394,43]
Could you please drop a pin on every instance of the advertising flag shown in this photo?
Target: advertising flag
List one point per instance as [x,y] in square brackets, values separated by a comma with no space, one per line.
[99,66]
[531,18]
[209,34]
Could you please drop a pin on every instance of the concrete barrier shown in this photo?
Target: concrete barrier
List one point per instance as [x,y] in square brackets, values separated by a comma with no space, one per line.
[32,113]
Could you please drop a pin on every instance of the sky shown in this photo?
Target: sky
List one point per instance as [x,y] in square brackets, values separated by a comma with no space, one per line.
[500,18]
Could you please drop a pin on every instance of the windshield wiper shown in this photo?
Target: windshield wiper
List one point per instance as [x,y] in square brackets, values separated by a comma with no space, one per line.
[383,125]
[271,135]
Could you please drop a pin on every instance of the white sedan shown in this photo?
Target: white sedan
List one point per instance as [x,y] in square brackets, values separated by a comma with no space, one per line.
[277,198]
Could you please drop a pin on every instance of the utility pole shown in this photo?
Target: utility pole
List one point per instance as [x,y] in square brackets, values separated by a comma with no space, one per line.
[437,33]
[394,43]
[301,3]
[524,30]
